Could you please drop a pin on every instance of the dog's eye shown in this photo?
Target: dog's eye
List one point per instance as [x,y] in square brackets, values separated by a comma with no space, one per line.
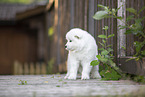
[70,41]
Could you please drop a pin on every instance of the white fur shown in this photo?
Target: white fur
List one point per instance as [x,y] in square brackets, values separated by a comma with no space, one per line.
[82,50]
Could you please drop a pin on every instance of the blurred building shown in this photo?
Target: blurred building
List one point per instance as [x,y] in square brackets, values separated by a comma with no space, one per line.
[23,34]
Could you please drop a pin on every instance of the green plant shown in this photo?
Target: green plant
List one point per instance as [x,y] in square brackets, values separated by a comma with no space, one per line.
[62,83]
[135,28]
[22,82]
[109,70]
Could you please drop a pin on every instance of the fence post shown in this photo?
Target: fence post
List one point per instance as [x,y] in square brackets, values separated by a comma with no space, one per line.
[121,36]
[43,68]
[72,13]
[20,68]
[15,70]
[32,69]
[91,20]
[26,68]
[37,69]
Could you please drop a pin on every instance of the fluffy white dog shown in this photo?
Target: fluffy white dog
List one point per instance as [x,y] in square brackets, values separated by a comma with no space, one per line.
[82,50]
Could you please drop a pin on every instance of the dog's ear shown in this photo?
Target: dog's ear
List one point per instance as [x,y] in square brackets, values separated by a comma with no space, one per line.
[77,37]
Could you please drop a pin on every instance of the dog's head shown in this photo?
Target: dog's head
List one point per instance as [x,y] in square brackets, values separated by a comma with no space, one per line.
[74,40]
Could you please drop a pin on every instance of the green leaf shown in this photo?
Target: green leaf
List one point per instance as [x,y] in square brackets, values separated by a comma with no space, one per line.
[131,10]
[130,59]
[129,31]
[141,9]
[102,36]
[123,47]
[105,52]
[138,21]
[57,85]
[111,35]
[143,52]
[101,49]
[109,50]
[100,15]
[120,18]
[109,45]
[105,28]
[102,73]
[64,82]
[123,27]
[138,46]
[102,6]
[98,56]
[102,44]
[60,80]
[129,18]
[95,62]
[104,60]
[104,41]
[119,7]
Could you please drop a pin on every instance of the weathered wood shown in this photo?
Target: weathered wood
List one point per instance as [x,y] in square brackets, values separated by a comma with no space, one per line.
[132,66]
[15,68]
[26,69]
[121,36]
[91,20]
[43,68]
[56,86]
[72,13]
[86,14]
[38,69]
[54,40]
[32,69]
[20,69]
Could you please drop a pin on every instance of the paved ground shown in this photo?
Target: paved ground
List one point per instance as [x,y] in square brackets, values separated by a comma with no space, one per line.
[56,86]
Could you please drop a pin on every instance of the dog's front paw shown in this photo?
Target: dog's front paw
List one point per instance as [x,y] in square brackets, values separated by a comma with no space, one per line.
[67,75]
[72,76]
[85,76]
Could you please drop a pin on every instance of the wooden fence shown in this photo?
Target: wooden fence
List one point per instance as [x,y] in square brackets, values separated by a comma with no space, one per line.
[29,68]
[78,13]
[35,68]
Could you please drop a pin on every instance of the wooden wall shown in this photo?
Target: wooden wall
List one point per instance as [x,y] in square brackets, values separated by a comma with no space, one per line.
[136,4]
[18,44]
[78,13]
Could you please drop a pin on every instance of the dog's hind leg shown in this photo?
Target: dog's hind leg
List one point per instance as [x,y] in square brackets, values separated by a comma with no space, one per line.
[95,72]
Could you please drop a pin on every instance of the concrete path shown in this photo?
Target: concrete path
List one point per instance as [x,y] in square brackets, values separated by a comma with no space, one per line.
[56,86]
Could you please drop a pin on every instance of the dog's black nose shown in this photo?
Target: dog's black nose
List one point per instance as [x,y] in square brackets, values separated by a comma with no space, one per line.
[65,46]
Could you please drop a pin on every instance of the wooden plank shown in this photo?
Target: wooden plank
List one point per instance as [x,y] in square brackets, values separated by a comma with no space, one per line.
[32,69]
[86,15]
[121,36]
[20,69]
[15,68]
[91,20]
[132,66]
[43,68]
[72,13]
[38,68]
[58,34]
[113,22]
[54,44]
[130,37]
[26,69]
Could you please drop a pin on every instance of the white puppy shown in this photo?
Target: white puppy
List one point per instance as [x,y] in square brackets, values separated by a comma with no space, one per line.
[82,50]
